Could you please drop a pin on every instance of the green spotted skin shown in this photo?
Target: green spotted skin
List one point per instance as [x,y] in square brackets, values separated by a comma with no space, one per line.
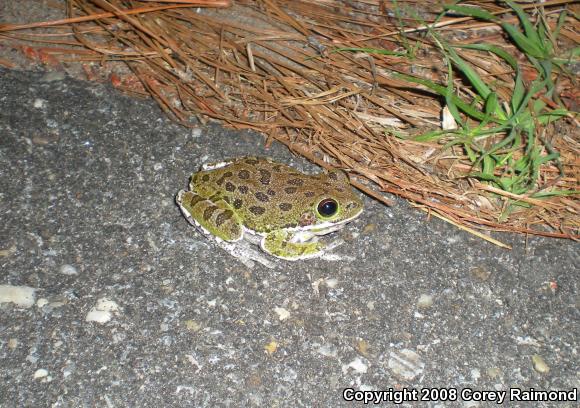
[215,216]
[270,199]
[277,244]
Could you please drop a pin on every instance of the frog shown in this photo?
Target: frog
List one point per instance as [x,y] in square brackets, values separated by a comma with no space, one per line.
[247,203]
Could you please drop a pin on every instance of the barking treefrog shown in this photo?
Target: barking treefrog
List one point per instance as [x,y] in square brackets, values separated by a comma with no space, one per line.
[255,200]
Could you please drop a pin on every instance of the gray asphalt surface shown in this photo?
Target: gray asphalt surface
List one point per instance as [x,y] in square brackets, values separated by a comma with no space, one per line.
[88,219]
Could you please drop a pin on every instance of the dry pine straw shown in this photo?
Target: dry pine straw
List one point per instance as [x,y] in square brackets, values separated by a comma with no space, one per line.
[270,66]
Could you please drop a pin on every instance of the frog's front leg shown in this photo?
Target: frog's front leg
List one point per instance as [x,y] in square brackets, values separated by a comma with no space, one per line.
[290,246]
[214,216]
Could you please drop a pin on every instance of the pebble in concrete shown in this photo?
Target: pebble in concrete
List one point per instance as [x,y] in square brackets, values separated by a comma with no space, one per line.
[405,364]
[103,311]
[21,296]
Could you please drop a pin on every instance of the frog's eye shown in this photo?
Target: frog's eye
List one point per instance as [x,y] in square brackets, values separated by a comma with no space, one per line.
[327,207]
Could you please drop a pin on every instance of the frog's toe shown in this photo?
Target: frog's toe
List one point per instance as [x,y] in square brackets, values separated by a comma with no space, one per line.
[242,251]
[334,244]
[336,257]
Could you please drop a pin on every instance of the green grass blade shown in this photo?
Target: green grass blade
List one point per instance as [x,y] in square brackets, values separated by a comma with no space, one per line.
[494,49]
[538,106]
[490,109]
[561,21]
[548,117]
[555,193]
[507,183]
[518,93]
[432,135]
[475,80]
[441,90]
[544,34]
[522,112]
[529,28]
[470,153]
[491,104]
[531,139]
[488,166]
[483,176]
[450,93]
[506,141]
[548,158]
[523,43]
[470,12]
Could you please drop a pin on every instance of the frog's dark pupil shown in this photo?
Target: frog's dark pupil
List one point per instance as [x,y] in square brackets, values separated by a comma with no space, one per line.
[327,207]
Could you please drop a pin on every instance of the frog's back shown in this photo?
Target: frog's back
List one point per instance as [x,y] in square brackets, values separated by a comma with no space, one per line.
[265,194]
[256,173]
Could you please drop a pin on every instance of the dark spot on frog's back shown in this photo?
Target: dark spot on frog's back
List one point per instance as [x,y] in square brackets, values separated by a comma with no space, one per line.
[256,210]
[243,189]
[309,193]
[285,206]
[230,187]
[261,197]
[252,162]
[244,174]
[223,217]
[237,203]
[265,176]
[296,182]
[290,190]
[224,176]
[271,192]
[205,177]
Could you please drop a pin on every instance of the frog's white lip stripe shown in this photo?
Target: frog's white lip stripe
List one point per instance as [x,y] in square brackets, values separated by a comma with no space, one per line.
[325,227]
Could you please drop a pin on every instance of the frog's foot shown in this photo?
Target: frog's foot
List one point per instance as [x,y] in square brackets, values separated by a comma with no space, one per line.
[285,245]
[243,251]
[335,257]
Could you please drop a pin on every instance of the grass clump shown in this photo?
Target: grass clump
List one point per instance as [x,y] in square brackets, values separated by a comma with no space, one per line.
[501,138]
